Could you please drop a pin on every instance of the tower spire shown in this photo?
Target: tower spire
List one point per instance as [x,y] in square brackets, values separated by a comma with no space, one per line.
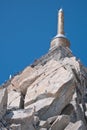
[60,22]
[60,39]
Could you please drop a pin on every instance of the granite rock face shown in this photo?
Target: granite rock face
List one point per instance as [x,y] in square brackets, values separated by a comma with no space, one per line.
[3,102]
[50,94]
[23,117]
[15,127]
[79,125]
[54,88]
[14,100]
[60,123]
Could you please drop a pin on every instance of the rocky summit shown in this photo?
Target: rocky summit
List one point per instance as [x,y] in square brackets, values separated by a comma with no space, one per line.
[50,94]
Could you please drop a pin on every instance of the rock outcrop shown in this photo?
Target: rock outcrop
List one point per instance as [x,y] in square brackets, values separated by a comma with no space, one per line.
[77,126]
[23,117]
[50,94]
[60,123]
[3,102]
[14,100]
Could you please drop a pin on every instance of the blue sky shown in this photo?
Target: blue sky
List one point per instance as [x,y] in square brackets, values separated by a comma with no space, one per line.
[27,27]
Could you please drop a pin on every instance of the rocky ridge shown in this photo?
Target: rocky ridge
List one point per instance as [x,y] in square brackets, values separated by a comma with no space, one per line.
[50,94]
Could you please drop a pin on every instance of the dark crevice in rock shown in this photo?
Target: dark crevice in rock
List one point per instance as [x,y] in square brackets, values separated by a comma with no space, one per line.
[3,123]
[22,101]
[80,101]
[68,109]
[77,77]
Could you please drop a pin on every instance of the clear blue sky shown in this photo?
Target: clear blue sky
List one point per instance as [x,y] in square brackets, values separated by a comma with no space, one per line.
[27,27]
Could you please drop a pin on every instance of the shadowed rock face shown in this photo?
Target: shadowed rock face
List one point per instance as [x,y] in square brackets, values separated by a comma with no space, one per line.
[3,102]
[49,94]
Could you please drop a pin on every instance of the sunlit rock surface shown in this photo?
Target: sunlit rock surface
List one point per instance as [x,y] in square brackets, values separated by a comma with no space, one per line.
[49,94]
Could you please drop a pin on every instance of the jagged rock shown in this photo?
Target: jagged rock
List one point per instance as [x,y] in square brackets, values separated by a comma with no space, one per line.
[43,86]
[22,81]
[43,124]
[73,63]
[47,124]
[1,124]
[3,102]
[69,126]
[43,129]
[3,128]
[79,125]
[47,87]
[40,95]
[15,127]
[36,121]
[74,110]
[68,110]
[23,117]
[54,86]
[51,119]
[60,123]
[14,100]
[78,113]
[86,114]
[41,106]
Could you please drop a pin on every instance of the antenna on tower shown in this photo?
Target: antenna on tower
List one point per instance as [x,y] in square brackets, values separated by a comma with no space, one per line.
[60,39]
